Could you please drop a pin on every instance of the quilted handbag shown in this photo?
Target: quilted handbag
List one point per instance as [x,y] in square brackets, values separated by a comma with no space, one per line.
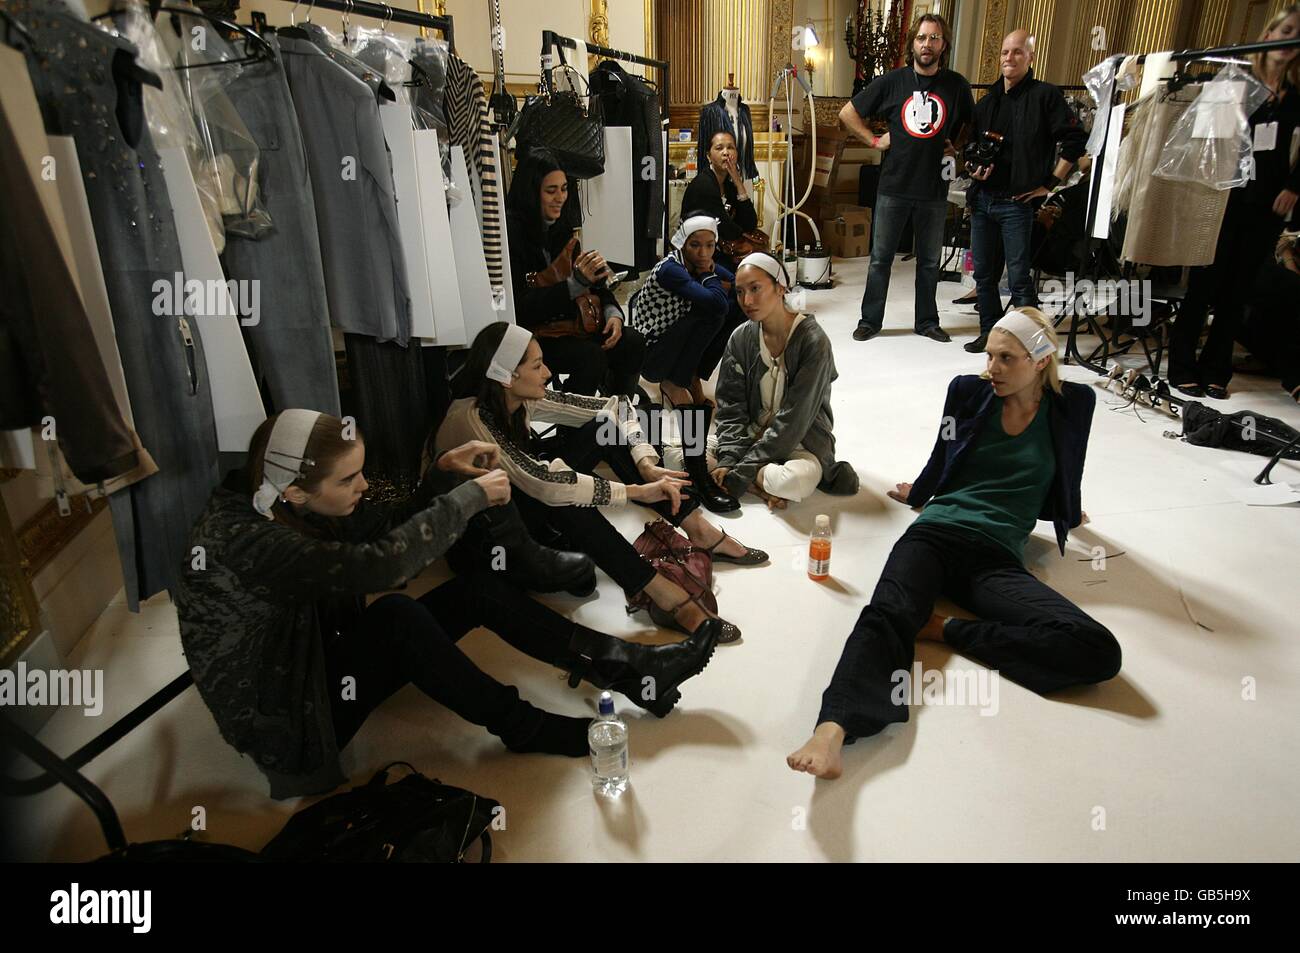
[559,122]
[672,555]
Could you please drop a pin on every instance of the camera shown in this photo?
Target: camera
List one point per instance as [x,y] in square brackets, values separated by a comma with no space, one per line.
[981,151]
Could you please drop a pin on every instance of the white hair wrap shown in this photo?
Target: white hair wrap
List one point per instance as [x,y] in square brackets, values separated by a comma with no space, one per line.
[794,300]
[508,354]
[284,458]
[1029,333]
[697,223]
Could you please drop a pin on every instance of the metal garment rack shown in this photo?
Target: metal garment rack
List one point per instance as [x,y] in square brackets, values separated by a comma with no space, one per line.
[382,11]
[551,39]
[1091,245]
[1158,388]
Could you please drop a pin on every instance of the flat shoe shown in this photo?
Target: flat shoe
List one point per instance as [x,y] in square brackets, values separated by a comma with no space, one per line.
[667,619]
[863,334]
[1216,391]
[752,557]
[1190,390]
[935,333]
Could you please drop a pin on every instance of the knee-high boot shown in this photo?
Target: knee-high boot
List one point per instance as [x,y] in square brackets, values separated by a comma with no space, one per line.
[694,459]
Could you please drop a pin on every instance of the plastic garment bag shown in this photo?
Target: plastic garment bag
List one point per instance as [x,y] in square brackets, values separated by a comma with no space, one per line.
[1211,142]
[1101,81]
[203,64]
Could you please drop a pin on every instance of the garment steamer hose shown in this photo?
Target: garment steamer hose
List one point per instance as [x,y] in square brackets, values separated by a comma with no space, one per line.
[787,210]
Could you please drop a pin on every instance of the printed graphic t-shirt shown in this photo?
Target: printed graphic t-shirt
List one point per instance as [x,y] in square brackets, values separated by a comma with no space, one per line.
[923,112]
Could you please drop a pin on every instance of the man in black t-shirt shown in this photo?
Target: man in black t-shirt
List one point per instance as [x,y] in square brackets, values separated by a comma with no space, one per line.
[926,106]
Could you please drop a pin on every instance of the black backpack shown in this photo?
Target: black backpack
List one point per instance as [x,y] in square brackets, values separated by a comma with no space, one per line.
[414,820]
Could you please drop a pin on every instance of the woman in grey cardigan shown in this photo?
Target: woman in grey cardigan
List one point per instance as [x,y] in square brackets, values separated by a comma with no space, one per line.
[774,397]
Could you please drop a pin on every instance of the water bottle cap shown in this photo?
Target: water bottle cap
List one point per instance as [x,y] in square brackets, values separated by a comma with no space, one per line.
[606,703]
[823,521]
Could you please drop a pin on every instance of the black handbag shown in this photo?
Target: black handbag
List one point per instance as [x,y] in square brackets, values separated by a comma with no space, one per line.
[414,820]
[560,123]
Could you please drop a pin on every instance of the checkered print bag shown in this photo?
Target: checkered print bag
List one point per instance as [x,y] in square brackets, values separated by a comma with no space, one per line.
[654,309]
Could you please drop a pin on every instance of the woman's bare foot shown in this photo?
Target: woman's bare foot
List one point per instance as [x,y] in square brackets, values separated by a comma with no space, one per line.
[932,631]
[820,756]
[773,502]
[704,535]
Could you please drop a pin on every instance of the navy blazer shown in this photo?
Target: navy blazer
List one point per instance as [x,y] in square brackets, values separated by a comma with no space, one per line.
[970,402]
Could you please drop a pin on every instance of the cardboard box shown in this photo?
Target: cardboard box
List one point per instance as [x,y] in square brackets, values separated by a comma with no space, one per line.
[848,234]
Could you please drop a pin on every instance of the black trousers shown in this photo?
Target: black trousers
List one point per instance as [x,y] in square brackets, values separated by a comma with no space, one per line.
[1272,332]
[585,528]
[1246,241]
[592,369]
[677,354]
[712,355]
[400,640]
[1027,631]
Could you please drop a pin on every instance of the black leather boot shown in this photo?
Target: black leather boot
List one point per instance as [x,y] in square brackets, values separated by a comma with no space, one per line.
[498,539]
[714,498]
[647,674]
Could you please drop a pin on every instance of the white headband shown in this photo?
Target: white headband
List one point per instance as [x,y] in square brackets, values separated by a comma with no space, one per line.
[508,354]
[283,461]
[697,223]
[767,263]
[1029,333]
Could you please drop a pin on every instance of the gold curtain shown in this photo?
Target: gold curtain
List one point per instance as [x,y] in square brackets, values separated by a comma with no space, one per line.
[1036,16]
[707,39]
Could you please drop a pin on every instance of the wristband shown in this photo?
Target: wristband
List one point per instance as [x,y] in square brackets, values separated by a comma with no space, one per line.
[1052,181]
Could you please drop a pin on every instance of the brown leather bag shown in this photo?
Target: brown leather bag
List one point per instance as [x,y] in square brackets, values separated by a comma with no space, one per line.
[748,243]
[591,310]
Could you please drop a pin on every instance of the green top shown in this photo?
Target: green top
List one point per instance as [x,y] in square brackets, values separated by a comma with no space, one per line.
[999,489]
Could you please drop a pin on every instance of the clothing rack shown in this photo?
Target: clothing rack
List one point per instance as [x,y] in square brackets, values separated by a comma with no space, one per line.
[1088,262]
[552,39]
[382,11]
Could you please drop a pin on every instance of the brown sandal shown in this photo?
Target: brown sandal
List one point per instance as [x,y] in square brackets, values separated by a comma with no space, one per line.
[667,618]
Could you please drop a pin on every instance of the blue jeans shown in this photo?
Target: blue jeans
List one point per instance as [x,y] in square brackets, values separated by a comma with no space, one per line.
[1000,233]
[887,221]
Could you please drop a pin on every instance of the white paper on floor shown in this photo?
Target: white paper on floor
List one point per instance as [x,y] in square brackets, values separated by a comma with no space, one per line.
[1268,494]
[236,400]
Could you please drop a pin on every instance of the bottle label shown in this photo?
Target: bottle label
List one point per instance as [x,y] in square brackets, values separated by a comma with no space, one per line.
[609,764]
[818,567]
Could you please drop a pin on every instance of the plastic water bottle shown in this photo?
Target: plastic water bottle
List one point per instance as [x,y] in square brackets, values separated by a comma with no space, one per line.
[819,549]
[607,741]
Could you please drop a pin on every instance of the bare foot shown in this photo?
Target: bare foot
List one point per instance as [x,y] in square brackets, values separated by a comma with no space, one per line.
[773,502]
[820,756]
[932,631]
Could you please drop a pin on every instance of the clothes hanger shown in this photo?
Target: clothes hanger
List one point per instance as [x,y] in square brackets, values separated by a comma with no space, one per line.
[261,50]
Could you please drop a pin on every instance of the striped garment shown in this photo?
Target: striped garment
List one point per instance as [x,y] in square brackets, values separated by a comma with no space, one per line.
[467,122]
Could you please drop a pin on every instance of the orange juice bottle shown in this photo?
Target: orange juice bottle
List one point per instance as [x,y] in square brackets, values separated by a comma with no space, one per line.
[819,550]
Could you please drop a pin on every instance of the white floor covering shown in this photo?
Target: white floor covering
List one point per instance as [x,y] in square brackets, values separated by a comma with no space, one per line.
[1169,755]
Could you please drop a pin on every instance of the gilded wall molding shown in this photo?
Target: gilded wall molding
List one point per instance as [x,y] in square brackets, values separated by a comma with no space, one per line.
[995,28]
[599,22]
[43,536]
[828,110]
[780,18]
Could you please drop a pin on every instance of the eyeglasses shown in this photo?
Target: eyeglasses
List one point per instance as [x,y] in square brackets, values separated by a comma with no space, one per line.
[927,38]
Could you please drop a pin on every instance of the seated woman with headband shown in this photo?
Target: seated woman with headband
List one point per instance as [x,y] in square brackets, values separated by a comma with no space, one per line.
[1010,450]
[680,311]
[774,396]
[505,373]
[291,661]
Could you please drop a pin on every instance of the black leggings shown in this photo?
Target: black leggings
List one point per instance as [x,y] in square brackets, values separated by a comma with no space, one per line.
[400,640]
[1027,631]
[585,528]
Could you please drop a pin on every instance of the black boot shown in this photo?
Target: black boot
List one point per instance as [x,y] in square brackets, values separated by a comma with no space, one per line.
[696,465]
[646,674]
[499,540]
